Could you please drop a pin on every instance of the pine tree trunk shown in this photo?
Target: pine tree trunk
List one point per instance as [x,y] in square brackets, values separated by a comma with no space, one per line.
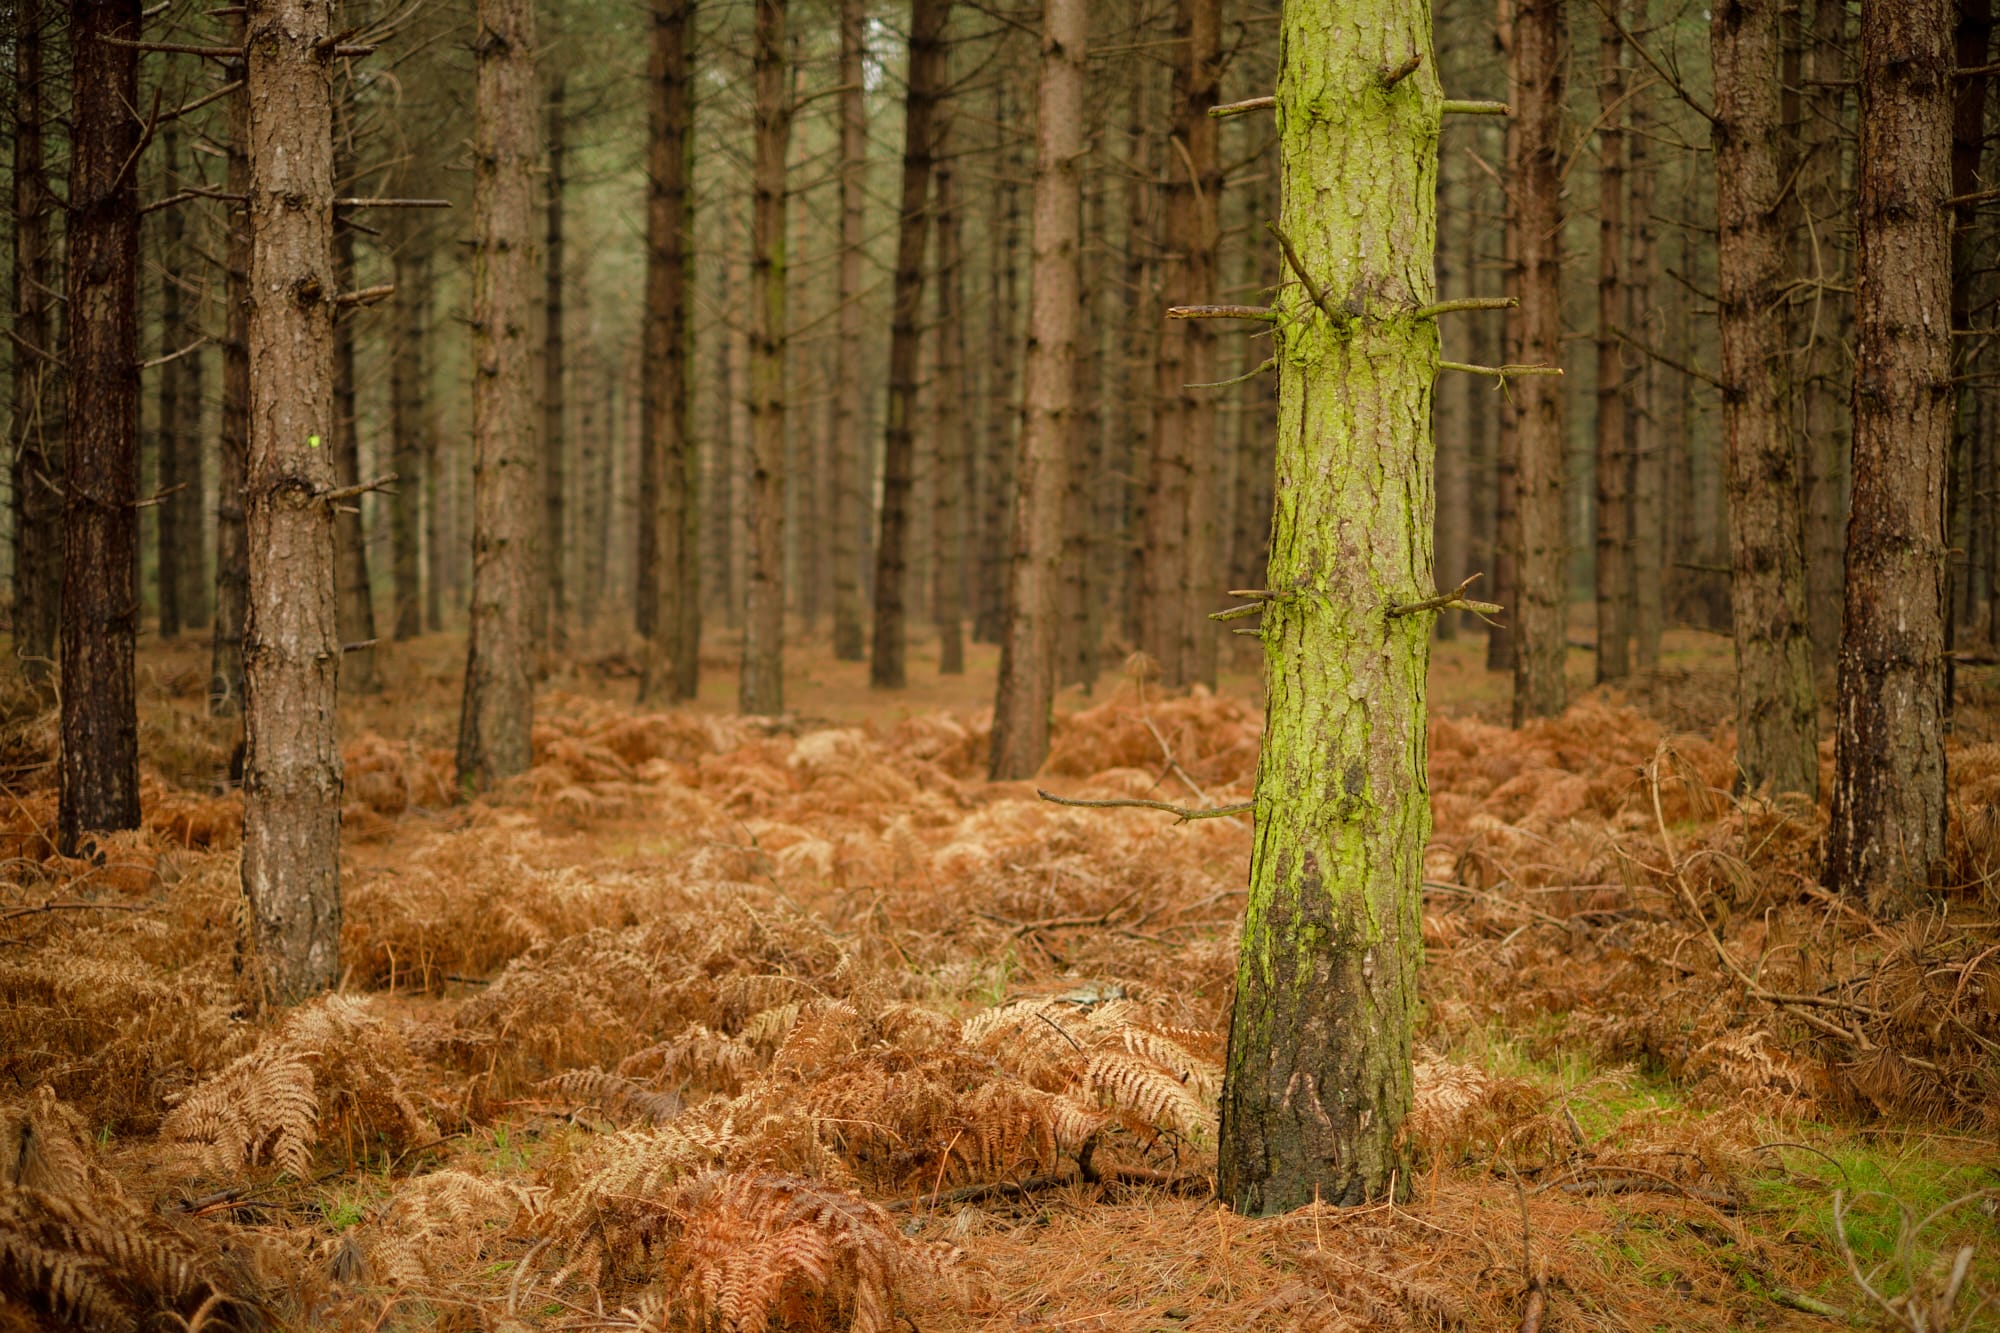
[357,602]
[291,650]
[850,494]
[191,501]
[1826,200]
[1026,688]
[997,485]
[1452,530]
[555,439]
[1613,572]
[37,380]
[761,687]
[99,759]
[672,665]
[413,445]
[1777,744]
[1886,836]
[1972,44]
[1644,438]
[498,714]
[947,600]
[1539,589]
[232,552]
[440,542]
[173,447]
[1318,1076]
[1076,637]
[1138,347]
[885,664]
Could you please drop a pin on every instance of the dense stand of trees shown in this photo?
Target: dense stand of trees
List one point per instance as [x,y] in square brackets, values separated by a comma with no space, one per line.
[855,322]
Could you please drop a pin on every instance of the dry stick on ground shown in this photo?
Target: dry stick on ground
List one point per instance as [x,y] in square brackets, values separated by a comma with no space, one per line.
[53,906]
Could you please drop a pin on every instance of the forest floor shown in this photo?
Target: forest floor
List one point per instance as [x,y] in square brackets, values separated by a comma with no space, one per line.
[718,1023]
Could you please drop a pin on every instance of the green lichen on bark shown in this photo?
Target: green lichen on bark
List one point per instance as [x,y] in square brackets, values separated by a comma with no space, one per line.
[1318,1075]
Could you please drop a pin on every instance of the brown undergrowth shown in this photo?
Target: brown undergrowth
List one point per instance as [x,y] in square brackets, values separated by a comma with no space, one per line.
[706,1023]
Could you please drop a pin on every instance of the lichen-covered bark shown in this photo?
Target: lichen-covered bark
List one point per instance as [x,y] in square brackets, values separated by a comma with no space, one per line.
[1777,742]
[761,685]
[1318,1076]
[1886,835]
[291,641]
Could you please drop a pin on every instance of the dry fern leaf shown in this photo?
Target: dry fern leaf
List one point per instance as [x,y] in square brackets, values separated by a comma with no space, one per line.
[618,1098]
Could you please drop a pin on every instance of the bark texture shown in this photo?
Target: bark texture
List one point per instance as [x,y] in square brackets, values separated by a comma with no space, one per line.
[1317,1081]
[291,762]
[37,425]
[409,394]
[555,468]
[1886,836]
[850,507]
[1777,742]
[761,686]
[947,599]
[1026,689]
[174,446]
[232,552]
[498,713]
[1613,517]
[99,763]
[350,539]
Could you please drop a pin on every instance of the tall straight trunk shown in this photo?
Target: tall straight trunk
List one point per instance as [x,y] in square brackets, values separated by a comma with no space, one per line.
[1539,589]
[997,485]
[1644,438]
[1451,533]
[947,601]
[1613,572]
[174,448]
[555,439]
[1500,638]
[38,407]
[761,686]
[1318,1078]
[232,551]
[191,501]
[850,494]
[720,490]
[99,757]
[1076,638]
[1025,692]
[1138,347]
[413,445]
[1821,394]
[357,601]
[1972,44]
[498,714]
[439,542]
[672,665]
[926,74]
[291,651]
[1887,831]
[1777,742]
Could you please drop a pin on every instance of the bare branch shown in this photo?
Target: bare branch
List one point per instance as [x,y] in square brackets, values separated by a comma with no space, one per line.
[1392,77]
[1258,312]
[1499,372]
[366,295]
[1139,803]
[1437,308]
[1298,267]
[1459,107]
[1244,108]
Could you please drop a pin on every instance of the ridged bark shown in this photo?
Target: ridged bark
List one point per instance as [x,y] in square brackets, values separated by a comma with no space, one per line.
[498,713]
[99,760]
[555,439]
[947,600]
[1026,688]
[851,506]
[232,552]
[1317,1081]
[761,686]
[1823,328]
[1886,836]
[37,382]
[1777,741]
[291,651]
[1613,516]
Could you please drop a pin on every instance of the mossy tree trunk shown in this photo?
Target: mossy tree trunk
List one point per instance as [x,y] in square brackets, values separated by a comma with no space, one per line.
[1318,1073]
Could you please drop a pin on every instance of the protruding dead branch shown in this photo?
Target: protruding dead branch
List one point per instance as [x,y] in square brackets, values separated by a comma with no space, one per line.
[1140,803]
[1242,108]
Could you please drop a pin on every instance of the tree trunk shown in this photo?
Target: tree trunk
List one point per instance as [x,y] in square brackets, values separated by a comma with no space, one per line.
[1452,529]
[1822,394]
[1613,572]
[672,666]
[1886,835]
[555,469]
[440,544]
[291,764]
[947,600]
[99,764]
[997,481]
[1644,434]
[1777,744]
[37,382]
[232,552]
[761,687]
[1318,1075]
[1540,585]
[1026,688]
[1076,633]
[850,502]
[1138,347]
[174,448]
[495,723]
[414,445]
[926,73]
[1972,44]
[350,541]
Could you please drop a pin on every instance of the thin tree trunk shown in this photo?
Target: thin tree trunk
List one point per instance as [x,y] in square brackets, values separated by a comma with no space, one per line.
[357,601]
[997,486]
[672,664]
[1076,638]
[174,448]
[1026,688]
[1826,203]
[1500,638]
[1318,1077]
[947,600]
[761,686]
[1644,439]
[232,553]
[99,753]
[408,391]
[37,383]
[1886,835]
[555,439]
[926,72]
[1777,744]
[1452,531]
[1972,44]
[1613,573]
[439,540]
[850,494]
[498,714]
[291,764]
[1138,348]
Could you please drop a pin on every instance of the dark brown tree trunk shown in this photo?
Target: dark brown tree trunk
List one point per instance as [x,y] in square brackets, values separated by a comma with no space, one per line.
[1026,689]
[291,649]
[174,449]
[440,546]
[1777,745]
[761,685]
[672,665]
[947,602]
[555,439]
[498,715]
[1539,587]
[99,763]
[232,553]
[1826,204]
[1613,572]
[926,73]
[1644,439]
[1076,638]
[849,490]
[357,600]
[1886,837]
[997,483]
[1138,345]
[1972,43]
[38,390]
[414,445]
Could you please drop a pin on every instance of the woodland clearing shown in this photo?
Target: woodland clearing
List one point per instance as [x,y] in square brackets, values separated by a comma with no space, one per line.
[721,1023]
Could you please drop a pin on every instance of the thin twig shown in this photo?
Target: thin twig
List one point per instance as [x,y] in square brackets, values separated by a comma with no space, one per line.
[1298,267]
[1243,108]
[1437,308]
[1258,312]
[1502,373]
[1270,363]
[1457,107]
[1139,803]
